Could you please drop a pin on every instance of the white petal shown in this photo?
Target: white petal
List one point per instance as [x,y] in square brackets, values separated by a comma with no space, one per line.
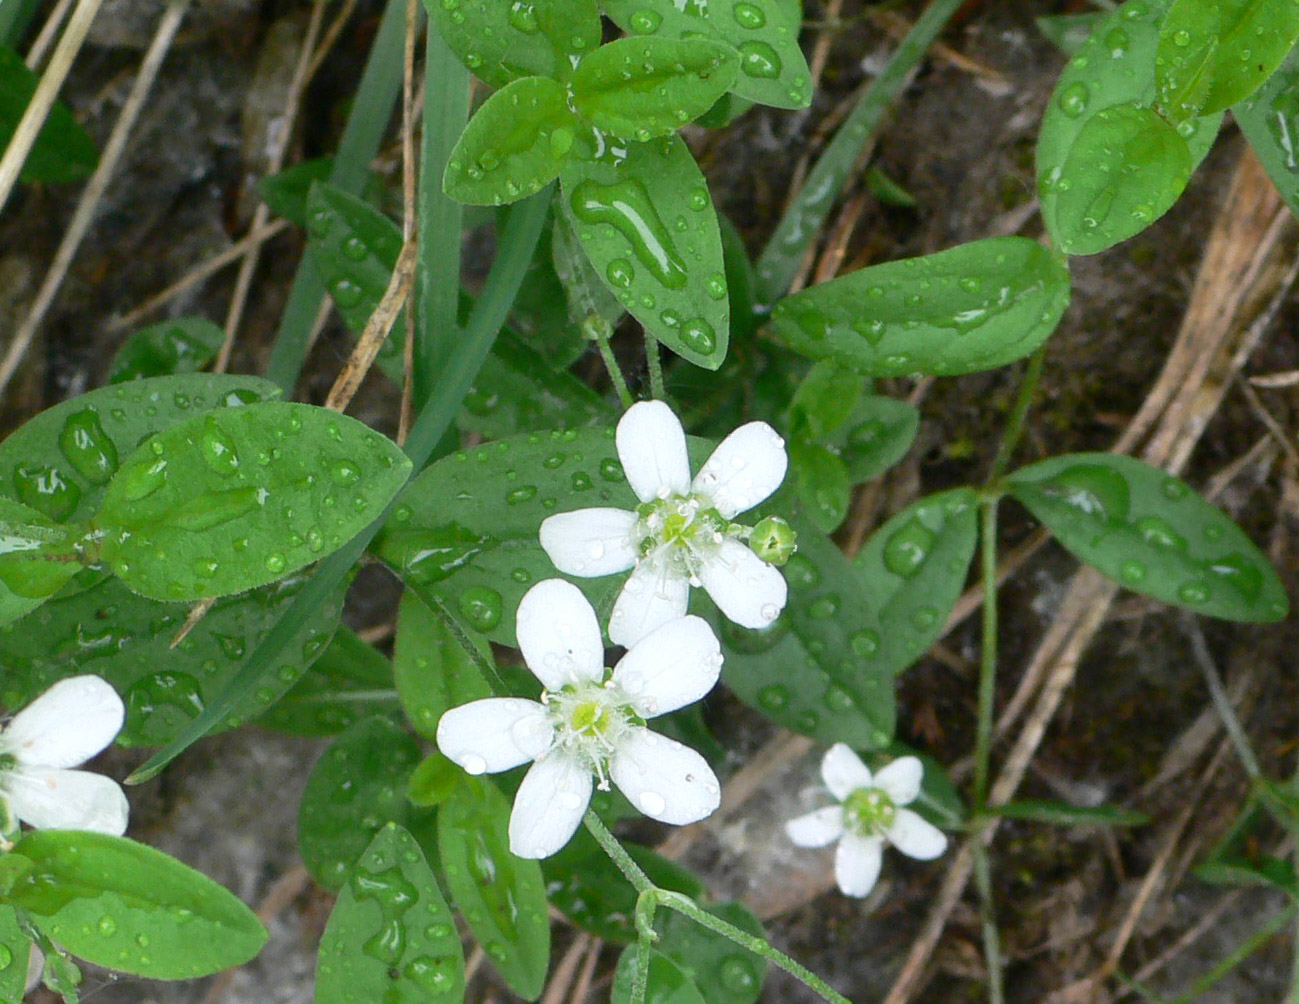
[916,837]
[66,725]
[744,587]
[66,800]
[549,806]
[664,779]
[901,779]
[816,829]
[590,542]
[857,864]
[843,772]
[559,636]
[495,734]
[652,448]
[652,596]
[672,666]
[747,466]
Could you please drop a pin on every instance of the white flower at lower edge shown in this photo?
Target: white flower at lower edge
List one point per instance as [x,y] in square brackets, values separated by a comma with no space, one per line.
[589,725]
[64,727]
[681,535]
[869,814]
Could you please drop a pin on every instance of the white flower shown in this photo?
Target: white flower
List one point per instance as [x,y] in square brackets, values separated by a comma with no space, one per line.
[590,722]
[870,812]
[682,534]
[67,725]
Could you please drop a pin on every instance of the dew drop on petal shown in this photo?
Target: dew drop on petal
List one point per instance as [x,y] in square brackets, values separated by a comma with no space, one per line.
[474,764]
[652,803]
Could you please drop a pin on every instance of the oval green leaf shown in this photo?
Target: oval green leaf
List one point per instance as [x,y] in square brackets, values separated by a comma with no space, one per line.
[37,557]
[821,481]
[724,972]
[1150,532]
[647,223]
[433,671]
[667,984]
[969,308]
[60,461]
[355,248]
[639,88]
[1214,53]
[15,947]
[514,145]
[503,42]
[1270,121]
[63,150]
[180,346]
[877,436]
[503,897]
[126,906]
[391,936]
[228,502]
[354,789]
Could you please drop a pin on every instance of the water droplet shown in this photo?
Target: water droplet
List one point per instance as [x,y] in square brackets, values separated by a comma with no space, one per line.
[823,608]
[652,803]
[345,473]
[107,926]
[645,22]
[141,479]
[837,699]
[1092,490]
[474,764]
[715,286]
[523,17]
[620,273]
[773,697]
[481,607]
[218,449]
[1132,571]
[698,335]
[355,249]
[626,206]
[749,16]
[865,643]
[524,493]
[1175,490]
[923,618]
[46,490]
[1157,532]
[907,548]
[1240,573]
[275,563]
[611,470]
[88,447]
[346,293]
[1193,592]
[160,704]
[737,973]
[759,60]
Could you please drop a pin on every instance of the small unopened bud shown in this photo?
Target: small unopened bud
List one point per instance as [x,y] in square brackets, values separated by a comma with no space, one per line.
[774,540]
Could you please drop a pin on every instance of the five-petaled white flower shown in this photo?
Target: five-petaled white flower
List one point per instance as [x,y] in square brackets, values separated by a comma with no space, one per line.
[64,727]
[590,722]
[870,812]
[681,535]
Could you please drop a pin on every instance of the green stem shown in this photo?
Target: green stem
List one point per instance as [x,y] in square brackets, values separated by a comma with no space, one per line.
[988,920]
[514,254]
[626,864]
[1015,424]
[598,330]
[655,363]
[640,973]
[1221,702]
[988,653]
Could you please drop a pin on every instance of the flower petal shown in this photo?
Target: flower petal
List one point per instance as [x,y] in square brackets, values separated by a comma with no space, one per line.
[747,466]
[52,799]
[559,636]
[495,734]
[652,448]
[843,772]
[672,666]
[67,725]
[857,864]
[653,595]
[901,779]
[590,542]
[745,588]
[818,828]
[664,779]
[916,837]
[549,806]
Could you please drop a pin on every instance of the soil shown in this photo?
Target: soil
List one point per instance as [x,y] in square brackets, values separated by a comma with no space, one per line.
[1136,729]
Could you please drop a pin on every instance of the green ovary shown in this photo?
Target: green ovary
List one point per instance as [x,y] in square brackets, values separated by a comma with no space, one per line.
[869,812]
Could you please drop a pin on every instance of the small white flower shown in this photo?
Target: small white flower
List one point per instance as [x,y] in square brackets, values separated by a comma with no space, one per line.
[64,727]
[590,722]
[681,535]
[870,812]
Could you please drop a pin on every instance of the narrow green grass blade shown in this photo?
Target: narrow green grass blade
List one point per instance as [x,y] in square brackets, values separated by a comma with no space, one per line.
[514,254]
[371,112]
[805,217]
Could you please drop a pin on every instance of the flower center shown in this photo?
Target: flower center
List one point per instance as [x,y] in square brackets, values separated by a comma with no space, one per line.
[682,530]
[591,721]
[869,812]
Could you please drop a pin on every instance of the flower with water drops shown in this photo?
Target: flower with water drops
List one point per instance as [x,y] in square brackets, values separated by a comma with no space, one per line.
[64,727]
[870,812]
[682,534]
[589,726]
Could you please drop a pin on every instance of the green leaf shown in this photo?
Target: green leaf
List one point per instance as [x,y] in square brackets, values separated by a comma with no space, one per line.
[1264,870]
[1214,53]
[503,897]
[37,557]
[285,193]
[1060,814]
[824,400]
[724,972]
[877,436]
[125,638]
[914,568]
[355,248]
[63,150]
[183,345]
[821,481]
[1150,532]
[220,504]
[15,947]
[765,32]
[588,888]
[354,789]
[973,307]
[817,669]
[502,42]
[1101,182]
[432,670]
[667,983]
[349,681]
[646,221]
[123,905]
[391,936]
[514,145]
[1270,121]
[1068,32]
[60,461]
[640,88]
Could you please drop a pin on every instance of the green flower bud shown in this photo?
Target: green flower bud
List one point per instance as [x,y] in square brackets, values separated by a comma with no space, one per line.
[774,540]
